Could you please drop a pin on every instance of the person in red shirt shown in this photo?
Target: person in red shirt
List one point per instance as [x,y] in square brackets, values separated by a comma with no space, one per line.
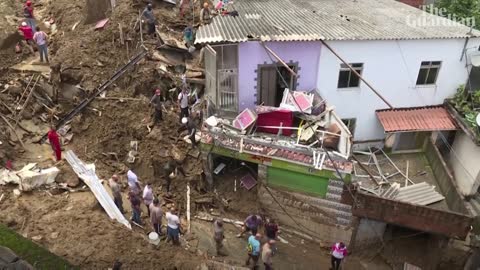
[28,14]
[27,32]
[55,143]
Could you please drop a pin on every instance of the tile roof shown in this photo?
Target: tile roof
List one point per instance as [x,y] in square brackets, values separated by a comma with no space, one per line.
[308,20]
[416,119]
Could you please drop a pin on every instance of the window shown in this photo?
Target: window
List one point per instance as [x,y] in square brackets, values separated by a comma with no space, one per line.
[428,72]
[350,123]
[347,78]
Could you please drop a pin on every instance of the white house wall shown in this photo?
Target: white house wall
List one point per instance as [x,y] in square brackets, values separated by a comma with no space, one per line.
[465,161]
[391,67]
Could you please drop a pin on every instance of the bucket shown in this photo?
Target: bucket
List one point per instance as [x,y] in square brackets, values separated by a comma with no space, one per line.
[153,238]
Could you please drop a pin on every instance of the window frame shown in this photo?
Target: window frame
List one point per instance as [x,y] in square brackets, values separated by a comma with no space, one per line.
[344,68]
[349,122]
[428,65]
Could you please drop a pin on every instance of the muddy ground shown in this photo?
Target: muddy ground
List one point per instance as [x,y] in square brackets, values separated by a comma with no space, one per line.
[71,223]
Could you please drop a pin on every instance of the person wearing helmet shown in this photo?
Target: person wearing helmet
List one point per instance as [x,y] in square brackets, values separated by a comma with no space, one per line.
[28,14]
[192,130]
[27,32]
[150,18]
[205,14]
[157,104]
[183,103]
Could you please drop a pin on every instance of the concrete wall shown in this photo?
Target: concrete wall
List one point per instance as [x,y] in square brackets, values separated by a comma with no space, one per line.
[313,220]
[392,68]
[465,161]
[411,216]
[251,54]
[445,180]
[368,232]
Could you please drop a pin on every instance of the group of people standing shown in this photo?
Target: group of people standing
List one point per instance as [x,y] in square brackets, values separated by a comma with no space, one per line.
[152,203]
[32,34]
[186,118]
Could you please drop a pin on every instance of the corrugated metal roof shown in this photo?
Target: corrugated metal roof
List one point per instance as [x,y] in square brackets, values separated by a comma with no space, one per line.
[416,119]
[308,20]
[421,193]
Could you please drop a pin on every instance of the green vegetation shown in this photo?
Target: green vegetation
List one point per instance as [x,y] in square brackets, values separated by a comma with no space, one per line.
[461,9]
[468,105]
[37,256]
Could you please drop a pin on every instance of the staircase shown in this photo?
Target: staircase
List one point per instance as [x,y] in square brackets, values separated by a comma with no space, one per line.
[342,212]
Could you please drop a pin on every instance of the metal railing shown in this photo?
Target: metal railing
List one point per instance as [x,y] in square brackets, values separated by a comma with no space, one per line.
[227,89]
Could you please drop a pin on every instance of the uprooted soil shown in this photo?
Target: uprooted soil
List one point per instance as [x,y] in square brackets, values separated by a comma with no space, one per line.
[75,227]
[72,225]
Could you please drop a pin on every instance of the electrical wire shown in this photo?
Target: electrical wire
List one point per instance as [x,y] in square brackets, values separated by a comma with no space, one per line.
[339,174]
[439,132]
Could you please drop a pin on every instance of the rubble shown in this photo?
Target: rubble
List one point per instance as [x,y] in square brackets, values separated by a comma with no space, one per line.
[29,177]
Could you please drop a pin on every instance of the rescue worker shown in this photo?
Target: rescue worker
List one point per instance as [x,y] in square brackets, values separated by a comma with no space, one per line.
[205,14]
[41,39]
[157,104]
[116,192]
[171,169]
[150,18]
[183,103]
[192,130]
[218,235]
[28,14]
[27,33]
[54,140]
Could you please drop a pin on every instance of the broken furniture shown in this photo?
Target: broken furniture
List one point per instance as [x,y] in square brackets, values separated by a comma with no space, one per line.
[274,120]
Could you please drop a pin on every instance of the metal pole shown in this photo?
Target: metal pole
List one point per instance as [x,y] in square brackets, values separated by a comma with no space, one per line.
[356,73]
[141,28]
[280,60]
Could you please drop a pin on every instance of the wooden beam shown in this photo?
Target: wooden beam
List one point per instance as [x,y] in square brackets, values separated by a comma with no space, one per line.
[356,73]
[366,170]
[280,60]
[13,130]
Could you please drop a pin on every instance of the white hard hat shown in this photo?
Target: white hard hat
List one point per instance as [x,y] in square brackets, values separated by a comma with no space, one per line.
[184,120]
[24,24]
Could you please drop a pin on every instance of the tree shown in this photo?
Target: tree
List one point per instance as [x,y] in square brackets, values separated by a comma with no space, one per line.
[459,10]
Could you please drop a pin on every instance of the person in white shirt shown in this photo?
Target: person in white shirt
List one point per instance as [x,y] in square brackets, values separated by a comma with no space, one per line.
[183,103]
[41,39]
[173,226]
[148,196]
[133,182]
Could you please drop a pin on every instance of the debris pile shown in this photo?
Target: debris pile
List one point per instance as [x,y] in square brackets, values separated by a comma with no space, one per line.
[384,178]
[299,131]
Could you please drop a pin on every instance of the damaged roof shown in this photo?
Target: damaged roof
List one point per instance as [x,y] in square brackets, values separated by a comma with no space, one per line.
[429,118]
[309,20]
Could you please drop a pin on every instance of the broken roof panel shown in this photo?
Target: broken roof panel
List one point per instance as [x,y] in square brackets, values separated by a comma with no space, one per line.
[416,119]
[309,20]
[87,174]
